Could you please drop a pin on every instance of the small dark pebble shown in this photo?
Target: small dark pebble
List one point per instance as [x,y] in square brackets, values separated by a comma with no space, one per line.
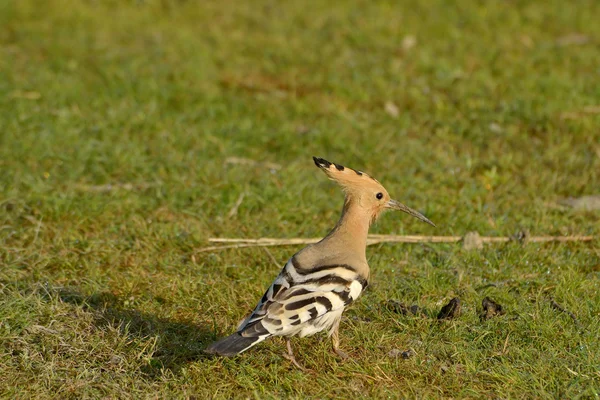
[401,308]
[405,355]
[489,309]
[450,310]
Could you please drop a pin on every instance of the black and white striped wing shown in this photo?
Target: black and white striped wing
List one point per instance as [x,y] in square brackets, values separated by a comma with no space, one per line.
[302,302]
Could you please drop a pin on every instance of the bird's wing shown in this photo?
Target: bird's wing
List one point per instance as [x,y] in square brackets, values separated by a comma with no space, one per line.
[298,296]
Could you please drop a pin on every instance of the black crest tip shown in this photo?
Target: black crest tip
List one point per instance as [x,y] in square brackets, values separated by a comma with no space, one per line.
[321,162]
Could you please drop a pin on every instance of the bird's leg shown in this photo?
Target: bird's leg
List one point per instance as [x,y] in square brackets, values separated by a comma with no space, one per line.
[335,341]
[290,355]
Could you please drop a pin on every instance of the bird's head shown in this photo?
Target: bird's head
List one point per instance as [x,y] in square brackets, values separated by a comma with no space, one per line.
[364,191]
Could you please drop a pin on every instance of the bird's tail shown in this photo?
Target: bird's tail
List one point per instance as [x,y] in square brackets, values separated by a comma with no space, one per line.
[233,344]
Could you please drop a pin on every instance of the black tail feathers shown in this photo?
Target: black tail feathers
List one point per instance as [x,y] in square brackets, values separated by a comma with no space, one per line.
[231,345]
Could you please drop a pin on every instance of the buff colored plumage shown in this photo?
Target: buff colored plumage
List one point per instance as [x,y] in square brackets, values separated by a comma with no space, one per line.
[321,280]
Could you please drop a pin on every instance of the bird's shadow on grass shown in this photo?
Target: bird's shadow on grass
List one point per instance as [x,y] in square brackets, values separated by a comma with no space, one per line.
[177,344]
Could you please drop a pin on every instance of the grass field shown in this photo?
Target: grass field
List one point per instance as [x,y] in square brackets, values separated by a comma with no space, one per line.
[120,126]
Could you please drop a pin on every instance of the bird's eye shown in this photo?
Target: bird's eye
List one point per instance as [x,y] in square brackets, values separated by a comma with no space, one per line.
[379,196]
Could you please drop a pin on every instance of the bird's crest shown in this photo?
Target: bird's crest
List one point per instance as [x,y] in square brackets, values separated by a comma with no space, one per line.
[346,177]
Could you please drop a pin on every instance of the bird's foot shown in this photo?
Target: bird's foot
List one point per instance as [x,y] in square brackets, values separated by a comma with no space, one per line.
[290,356]
[292,359]
[341,354]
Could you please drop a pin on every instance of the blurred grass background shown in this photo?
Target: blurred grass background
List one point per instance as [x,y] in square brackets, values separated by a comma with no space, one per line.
[120,125]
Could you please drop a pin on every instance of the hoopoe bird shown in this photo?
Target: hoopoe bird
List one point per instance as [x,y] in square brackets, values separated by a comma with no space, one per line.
[317,284]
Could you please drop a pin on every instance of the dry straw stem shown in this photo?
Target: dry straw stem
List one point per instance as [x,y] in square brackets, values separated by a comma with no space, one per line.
[236,243]
[109,187]
[252,163]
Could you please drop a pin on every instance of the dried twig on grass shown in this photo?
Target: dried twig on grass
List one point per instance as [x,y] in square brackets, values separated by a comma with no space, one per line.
[573,39]
[560,308]
[577,114]
[109,187]
[235,207]
[371,239]
[250,162]
[585,203]
[375,239]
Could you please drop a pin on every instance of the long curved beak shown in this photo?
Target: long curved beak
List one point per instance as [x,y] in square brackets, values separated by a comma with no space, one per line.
[396,205]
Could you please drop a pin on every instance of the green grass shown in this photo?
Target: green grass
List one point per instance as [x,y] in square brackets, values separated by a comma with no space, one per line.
[102,293]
